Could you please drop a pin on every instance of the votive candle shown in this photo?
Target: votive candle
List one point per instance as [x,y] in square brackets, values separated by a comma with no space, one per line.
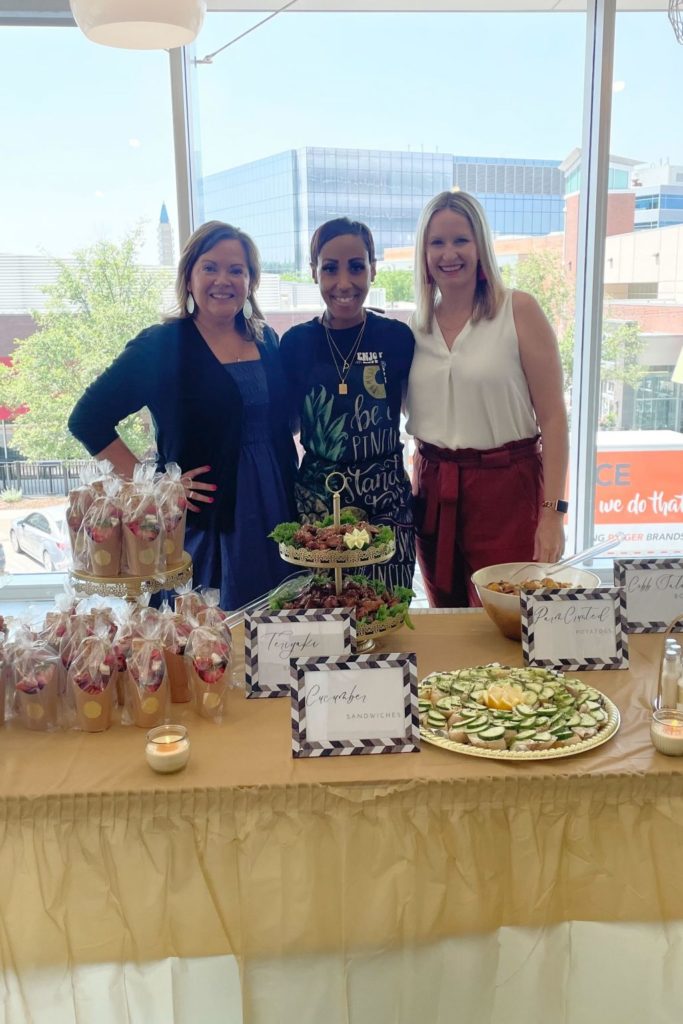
[666,732]
[167,748]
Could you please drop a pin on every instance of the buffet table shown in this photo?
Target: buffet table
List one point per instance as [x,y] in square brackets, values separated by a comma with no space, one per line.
[367,889]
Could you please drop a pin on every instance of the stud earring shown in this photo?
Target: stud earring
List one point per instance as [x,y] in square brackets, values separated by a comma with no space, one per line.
[247,310]
[189,305]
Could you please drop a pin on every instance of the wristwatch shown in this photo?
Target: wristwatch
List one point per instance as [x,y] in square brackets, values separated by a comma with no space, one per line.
[559,505]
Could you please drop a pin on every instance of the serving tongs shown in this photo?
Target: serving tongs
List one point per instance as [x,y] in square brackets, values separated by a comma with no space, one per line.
[564,563]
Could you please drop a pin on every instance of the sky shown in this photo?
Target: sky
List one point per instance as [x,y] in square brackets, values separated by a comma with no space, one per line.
[87,148]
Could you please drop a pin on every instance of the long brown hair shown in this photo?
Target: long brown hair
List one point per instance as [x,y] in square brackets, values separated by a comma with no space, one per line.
[203,239]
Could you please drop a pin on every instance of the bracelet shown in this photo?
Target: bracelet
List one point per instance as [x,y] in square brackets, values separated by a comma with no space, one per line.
[559,505]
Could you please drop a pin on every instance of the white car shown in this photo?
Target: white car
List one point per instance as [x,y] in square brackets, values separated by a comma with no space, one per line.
[42,535]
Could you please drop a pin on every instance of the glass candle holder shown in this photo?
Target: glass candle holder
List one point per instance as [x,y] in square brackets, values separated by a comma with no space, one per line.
[167,748]
[666,732]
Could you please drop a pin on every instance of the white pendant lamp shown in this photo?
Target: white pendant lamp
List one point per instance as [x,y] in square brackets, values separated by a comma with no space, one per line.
[140,24]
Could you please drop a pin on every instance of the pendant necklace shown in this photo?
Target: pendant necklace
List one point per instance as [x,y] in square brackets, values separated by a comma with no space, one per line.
[345,362]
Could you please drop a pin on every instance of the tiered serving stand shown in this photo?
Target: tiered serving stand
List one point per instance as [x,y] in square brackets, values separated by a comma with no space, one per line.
[339,561]
[130,587]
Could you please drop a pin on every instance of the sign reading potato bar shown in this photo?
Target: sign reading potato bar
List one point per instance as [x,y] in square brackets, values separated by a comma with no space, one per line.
[365,704]
[271,639]
[574,630]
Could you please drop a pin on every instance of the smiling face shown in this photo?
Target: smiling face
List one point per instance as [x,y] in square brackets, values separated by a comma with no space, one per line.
[451,251]
[344,274]
[219,282]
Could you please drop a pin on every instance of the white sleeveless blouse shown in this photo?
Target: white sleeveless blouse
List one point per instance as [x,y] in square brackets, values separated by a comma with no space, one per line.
[476,394]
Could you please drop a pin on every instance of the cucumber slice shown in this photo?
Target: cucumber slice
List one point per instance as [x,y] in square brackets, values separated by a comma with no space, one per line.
[495,732]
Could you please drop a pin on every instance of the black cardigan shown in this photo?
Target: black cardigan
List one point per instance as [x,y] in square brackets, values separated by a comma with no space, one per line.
[195,406]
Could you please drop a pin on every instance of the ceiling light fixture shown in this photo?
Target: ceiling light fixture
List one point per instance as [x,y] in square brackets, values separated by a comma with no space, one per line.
[140,24]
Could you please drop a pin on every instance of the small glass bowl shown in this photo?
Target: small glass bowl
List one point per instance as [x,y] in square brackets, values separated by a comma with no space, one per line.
[167,748]
[666,732]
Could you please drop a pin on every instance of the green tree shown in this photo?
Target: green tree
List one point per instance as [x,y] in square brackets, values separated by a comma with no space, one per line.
[398,284]
[543,275]
[102,298]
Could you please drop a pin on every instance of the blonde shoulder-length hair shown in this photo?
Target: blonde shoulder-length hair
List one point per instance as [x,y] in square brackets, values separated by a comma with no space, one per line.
[490,290]
[203,239]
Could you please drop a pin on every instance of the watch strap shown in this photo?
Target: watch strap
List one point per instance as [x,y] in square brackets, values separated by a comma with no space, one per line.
[559,505]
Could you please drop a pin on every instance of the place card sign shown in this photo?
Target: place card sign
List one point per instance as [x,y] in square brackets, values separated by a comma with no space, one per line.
[364,704]
[654,592]
[575,629]
[272,639]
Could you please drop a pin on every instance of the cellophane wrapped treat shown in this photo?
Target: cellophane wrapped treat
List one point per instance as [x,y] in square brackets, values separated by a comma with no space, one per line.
[4,688]
[36,688]
[209,657]
[147,691]
[102,526]
[188,602]
[142,528]
[91,683]
[174,632]
[80,500]
[210,614]
[173,505]
[78,627]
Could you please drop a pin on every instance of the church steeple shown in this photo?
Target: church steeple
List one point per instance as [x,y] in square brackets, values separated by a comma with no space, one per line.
[165,239]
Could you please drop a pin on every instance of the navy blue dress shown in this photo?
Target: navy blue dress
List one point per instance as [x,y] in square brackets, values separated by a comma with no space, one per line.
[243,563]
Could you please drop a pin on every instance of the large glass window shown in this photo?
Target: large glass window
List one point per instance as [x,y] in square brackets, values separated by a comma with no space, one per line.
[88,246]
[640,435]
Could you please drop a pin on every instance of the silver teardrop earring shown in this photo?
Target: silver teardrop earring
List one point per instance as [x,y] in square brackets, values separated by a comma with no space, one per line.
[247,309]
[189,305]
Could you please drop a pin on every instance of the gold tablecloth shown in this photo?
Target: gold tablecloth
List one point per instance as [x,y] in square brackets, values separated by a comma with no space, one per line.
[251,853]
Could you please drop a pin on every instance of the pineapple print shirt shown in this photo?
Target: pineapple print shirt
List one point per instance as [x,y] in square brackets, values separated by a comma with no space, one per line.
[354,428]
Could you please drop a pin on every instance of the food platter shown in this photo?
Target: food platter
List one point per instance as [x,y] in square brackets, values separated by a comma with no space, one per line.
[516,718]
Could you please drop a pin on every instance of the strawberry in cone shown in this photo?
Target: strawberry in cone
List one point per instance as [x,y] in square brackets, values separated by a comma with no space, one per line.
[93,684]
[36,692]
[147,691]
[102,526]
[142,540]
[209,657]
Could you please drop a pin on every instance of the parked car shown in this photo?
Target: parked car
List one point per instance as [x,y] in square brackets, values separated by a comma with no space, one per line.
[42,535]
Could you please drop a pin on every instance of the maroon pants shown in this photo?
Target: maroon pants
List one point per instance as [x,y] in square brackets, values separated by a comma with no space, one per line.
[473,509]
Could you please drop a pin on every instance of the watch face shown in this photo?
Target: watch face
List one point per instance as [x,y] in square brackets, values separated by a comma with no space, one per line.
[562,506]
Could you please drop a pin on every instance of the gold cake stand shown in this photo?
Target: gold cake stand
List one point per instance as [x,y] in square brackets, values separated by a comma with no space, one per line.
[131,587]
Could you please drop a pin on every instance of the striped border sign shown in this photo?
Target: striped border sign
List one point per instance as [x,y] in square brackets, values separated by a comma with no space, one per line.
[625,569]
[299,622]
[407,742]
[531,599]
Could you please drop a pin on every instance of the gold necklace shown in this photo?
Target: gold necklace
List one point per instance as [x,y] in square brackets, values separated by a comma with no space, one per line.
[345,361]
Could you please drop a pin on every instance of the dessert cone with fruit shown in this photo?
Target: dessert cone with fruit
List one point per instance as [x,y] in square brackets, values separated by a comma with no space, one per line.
[209,657]
[142,534]
[173,506]
[102,526]
[92,684]
[173,633]
[80,500]
[36,688]
[147,693]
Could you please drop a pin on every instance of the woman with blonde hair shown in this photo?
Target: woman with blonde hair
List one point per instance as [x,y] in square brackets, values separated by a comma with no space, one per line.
[485,404]
[212,380]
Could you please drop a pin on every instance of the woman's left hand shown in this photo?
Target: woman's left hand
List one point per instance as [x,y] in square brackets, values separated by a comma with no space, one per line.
[549,539]
[194,488]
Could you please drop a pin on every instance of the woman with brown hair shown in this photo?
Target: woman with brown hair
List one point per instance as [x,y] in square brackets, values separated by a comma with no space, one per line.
[212,380]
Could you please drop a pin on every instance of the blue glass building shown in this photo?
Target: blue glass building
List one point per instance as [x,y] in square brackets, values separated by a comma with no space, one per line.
[281,199]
